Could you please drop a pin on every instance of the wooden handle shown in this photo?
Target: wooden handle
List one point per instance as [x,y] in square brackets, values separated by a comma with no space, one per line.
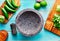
[3,35]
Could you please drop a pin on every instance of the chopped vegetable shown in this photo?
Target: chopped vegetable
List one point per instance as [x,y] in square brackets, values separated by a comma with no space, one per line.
[37,6]
[9,4]
[9,9]
[14,4]
[5,13]
[56,21]
[2,18]
[43,3]
[58,8]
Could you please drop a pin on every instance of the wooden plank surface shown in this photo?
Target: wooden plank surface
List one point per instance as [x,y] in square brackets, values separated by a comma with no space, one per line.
[49,24]
[10,14]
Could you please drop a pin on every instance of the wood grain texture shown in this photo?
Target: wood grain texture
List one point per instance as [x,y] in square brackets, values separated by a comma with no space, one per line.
[49,24]
[3,35]
[9,13]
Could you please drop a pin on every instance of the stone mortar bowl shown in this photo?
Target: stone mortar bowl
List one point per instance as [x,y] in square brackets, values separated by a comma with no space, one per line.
[29,22]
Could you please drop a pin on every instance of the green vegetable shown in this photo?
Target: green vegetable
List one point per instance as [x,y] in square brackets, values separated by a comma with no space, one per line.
[56,21]
[58,8]
[37,6]
[14,4]
[43,3]
[2,18]
[5,13]
[9,4]
[9,9]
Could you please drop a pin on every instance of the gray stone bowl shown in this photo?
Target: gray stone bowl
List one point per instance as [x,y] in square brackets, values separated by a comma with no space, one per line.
[29,22]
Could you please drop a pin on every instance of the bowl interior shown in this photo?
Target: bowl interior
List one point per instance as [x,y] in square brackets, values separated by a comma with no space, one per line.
[29,23]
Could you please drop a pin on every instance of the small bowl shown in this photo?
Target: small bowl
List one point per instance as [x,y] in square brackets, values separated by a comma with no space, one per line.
[29,22]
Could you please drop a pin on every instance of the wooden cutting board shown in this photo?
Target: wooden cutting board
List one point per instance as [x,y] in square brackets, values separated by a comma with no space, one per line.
[10,14]
[49,25]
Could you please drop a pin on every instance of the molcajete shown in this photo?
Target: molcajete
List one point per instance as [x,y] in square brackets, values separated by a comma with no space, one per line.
[29,22]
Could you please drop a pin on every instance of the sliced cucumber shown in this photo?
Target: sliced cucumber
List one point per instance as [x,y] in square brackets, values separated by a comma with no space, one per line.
[9,9]
[14,4]
[9,4]
[5,13]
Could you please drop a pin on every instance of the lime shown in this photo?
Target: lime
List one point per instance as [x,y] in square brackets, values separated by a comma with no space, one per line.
[37,5]
[43,3]
[2,18]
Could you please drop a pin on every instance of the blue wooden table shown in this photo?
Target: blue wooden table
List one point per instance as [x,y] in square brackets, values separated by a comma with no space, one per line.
[44,35]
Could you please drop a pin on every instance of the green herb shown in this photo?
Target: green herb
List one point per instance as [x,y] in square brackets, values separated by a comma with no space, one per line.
[56,21]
